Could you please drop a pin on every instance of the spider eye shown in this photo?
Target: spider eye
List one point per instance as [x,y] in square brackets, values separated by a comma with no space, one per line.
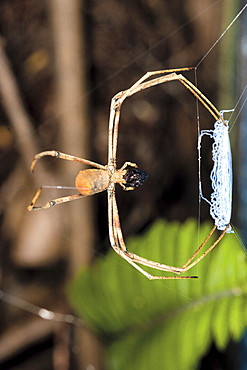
[134,177]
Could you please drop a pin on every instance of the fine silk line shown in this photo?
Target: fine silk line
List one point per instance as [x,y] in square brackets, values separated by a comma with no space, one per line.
[223,33]
[199,163]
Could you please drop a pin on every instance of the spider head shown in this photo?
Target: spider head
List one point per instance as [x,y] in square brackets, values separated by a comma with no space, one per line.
[134,178]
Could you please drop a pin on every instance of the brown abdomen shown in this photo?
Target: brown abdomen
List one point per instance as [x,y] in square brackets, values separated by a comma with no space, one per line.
[92,181]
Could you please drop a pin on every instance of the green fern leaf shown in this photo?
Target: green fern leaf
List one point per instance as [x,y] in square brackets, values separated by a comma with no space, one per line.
[166,324]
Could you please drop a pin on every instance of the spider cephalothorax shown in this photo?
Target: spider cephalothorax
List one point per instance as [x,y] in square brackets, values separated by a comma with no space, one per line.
[134,177]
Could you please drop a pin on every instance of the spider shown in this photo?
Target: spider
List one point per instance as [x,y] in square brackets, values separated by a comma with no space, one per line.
[100,178]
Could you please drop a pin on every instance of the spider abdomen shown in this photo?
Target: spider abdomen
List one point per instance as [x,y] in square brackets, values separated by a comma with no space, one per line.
[92,181]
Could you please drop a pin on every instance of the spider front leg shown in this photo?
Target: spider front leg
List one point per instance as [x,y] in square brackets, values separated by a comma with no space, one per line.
[189,264]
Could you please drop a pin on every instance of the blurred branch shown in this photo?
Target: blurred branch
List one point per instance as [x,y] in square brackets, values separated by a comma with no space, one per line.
[72,108]
[71,105]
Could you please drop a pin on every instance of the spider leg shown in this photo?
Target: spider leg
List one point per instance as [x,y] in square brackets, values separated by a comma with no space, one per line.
[200,247]
[146,81]
[119,98]
[126,188]
[188,265]
[51,203]
[118,244]
[126,164]
[202,98]
[56,154]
